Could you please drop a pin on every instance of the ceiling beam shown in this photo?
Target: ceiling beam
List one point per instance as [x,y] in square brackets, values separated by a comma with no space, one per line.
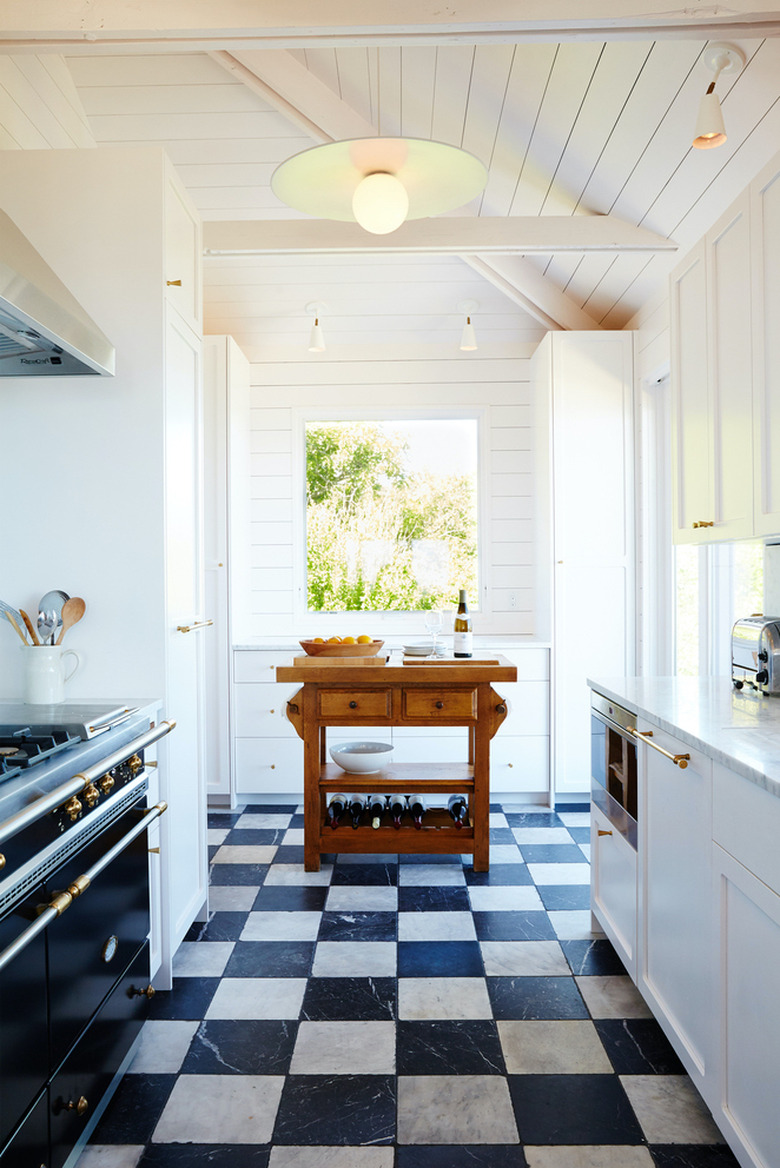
[525,286]
[518,235]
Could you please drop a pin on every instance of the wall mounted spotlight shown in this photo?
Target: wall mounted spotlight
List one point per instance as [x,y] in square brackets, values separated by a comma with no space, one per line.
[710,130]
[468,340]
[316,338]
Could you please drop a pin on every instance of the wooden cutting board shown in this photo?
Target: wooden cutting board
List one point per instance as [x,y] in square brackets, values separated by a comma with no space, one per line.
[320,661]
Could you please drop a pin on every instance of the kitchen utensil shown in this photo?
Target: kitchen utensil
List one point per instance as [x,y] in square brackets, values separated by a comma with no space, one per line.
[14,617]
[50,606]
[72,612]
[11,621]
[341,650]
[30,627]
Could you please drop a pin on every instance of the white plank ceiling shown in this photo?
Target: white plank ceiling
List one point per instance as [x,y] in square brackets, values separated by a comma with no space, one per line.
[566,127]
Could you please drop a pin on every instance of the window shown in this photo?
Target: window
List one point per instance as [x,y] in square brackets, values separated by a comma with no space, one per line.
[715,586]
[391,513]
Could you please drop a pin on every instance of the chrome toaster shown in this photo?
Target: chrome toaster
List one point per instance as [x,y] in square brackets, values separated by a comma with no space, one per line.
[755,653]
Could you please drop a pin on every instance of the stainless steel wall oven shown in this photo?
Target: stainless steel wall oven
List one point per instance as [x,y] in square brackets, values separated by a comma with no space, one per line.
[613,765]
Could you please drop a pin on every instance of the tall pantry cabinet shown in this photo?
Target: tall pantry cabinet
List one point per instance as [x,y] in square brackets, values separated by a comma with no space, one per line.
[109,471]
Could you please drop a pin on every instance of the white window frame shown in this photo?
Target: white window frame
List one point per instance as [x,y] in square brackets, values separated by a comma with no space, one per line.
[380,624]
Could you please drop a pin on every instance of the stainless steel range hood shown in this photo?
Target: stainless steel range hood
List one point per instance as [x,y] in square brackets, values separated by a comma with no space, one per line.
[44,331]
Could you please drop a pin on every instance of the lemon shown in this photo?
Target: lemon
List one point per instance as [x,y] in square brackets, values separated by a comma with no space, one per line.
[334,641]
[348,641]
[317,641]
[364,640]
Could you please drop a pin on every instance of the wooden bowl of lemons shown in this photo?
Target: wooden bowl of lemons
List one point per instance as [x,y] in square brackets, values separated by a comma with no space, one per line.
[341,647]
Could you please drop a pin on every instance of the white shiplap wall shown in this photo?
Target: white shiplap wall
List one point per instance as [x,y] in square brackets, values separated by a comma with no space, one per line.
[500,388]
[39,105]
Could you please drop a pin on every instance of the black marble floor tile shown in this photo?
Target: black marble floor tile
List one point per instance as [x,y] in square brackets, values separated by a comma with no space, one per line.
[269,809]
[350,999]
[189,999]
[246,1047]
[499,875]
[221,926]
[358,926]
[454,1156]
[368,874]
[573,1109]
[336,1110]
[289,854]
[533,819]
[581,807]
[580,835]
[592,957]
[270,959]
[255,836]
[132,1115]
[502,835]
[552,854]
[205,1156]
[638,1046]
[433,859]
[432,898]
[564,897]
[291,898]
[449,1048]
[513,926]
[524,998]
[222,818]
[439,959]
[693,1156]
[238,873]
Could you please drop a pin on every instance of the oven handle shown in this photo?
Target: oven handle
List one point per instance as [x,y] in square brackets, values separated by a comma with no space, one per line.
[63,900]
[81,781]
[680,760]
[627,734]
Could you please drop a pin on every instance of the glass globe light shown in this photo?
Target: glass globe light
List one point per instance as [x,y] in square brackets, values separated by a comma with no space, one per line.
[380,203]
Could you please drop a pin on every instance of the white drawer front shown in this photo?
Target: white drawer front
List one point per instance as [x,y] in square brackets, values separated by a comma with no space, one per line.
[261,711]
[269,766]
[258,664]
[519,763]
[746,823]
[529,707]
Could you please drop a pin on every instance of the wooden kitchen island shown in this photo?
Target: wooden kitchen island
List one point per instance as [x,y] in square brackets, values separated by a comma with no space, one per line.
[418,692]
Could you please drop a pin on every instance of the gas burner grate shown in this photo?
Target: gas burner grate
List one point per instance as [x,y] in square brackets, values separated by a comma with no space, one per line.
[21,748]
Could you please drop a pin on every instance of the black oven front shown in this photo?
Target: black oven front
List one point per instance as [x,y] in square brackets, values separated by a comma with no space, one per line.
[613,757]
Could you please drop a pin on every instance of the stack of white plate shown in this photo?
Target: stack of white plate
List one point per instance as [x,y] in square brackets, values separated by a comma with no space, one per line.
[419,649]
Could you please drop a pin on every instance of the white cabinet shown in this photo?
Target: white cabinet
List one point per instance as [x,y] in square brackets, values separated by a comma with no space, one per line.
[614,887]
[710,321]
[765,248]
[584,393]
[676,938]
[268,752]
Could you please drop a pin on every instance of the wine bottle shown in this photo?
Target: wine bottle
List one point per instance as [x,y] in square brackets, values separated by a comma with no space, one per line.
[462,628]
[418,806]
[357,805]
[397,808]
[376,808]
[336,808]
[458,809]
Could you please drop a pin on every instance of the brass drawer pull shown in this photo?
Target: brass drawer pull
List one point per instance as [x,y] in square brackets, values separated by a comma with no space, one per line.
[204,624]
[703,523]
[602,832]
[680,760]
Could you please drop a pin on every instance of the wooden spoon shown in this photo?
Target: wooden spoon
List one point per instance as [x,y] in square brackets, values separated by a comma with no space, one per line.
[36,640]
[72,612]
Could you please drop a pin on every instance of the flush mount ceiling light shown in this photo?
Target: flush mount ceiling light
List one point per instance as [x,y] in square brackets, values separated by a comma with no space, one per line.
[316,338]
[468,340]
[379,182]
[710,130]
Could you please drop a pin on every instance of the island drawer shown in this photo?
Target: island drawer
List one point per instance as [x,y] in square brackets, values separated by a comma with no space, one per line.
[439,705]
[354,704]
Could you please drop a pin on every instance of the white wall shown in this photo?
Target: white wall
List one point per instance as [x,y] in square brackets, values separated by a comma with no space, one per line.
[39,105]
[499,386]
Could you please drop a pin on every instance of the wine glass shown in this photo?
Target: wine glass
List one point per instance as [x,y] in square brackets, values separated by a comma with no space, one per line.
[433,623]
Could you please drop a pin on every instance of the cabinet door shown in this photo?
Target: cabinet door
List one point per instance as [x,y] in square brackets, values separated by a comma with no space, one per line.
[765,227]
[182,254]
[730,347]
[748,961]
[613,886]
[675,972]
[692,489]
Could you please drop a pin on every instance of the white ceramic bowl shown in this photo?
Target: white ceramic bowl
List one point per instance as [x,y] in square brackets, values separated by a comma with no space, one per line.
[361,758]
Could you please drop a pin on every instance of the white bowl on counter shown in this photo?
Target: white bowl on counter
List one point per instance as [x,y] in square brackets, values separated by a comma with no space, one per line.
[361,758]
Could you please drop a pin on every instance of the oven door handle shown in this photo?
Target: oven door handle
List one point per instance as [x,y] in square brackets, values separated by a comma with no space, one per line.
[63,900]
[680,760]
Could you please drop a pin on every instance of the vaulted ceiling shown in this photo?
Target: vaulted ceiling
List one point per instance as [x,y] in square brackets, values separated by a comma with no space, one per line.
[584,124]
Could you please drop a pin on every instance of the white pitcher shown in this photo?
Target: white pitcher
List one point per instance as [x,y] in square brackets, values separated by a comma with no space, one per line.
[45,675]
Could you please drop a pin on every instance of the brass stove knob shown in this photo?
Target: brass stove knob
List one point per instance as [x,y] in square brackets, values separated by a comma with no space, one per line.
[106,784]
[146,993]
[73,808]
[91,795]
[81,1106]
[136,764]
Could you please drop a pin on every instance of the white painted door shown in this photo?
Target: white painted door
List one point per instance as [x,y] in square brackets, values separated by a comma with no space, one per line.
[765,248]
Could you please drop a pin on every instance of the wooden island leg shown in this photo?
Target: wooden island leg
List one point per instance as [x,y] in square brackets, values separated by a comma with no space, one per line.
[312,824]
[481,763]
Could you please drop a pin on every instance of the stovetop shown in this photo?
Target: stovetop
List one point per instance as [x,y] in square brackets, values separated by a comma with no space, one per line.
[20,749]
[80,719]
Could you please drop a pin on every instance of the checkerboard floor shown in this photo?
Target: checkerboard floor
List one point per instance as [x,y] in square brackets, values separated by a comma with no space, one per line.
[401,1012]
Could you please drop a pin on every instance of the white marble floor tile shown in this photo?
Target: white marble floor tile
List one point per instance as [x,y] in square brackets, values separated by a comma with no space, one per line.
[201,958]
[436,926]
[216,835]
[344,1048]
[497,819]
[162,1047]
[541,835]
[355,959]
[220,1109]
[455,1109]
[332,1157]
[553,1048]
[281,926]
[585,849]
[560,873]
[263,820]
[503,854]
[232,897]
[575,818]
[670,1110]
[524,959]
[361,898]
[288,875]
[435,998]
[111,1155]
[257,997]
[613,996]
[505,898]
[593,1156]
[429,875]
[245,854]
[573,925]
[293,837]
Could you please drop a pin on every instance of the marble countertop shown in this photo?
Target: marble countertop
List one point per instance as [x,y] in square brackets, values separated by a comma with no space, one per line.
[739,730]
